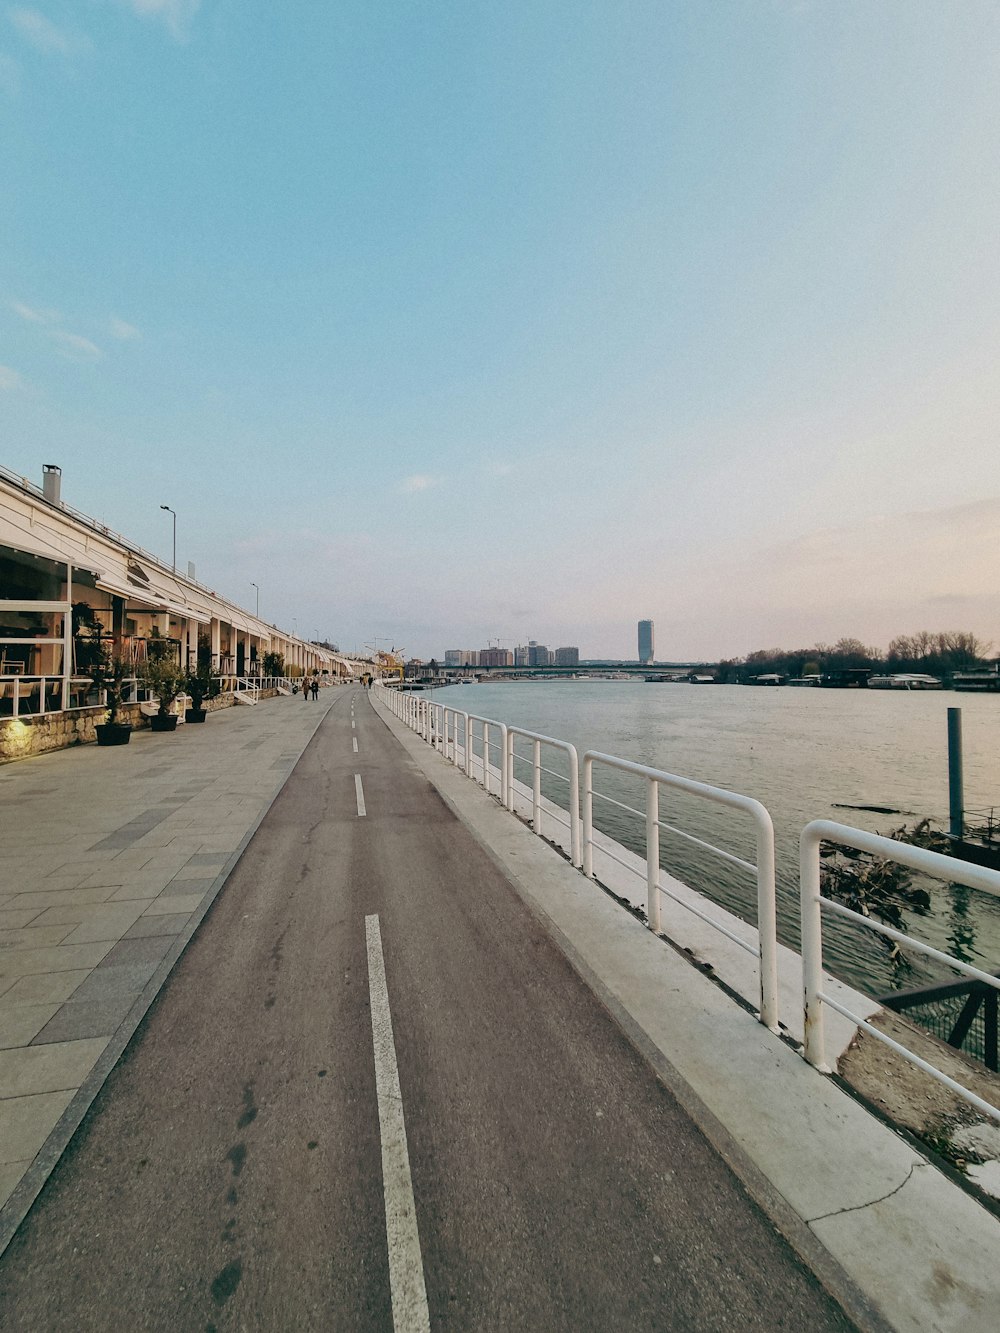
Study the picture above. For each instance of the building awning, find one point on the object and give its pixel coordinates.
(31, 545)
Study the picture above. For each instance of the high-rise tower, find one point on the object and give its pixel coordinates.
(646, 651)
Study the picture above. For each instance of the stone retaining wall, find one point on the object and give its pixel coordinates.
(21, 737)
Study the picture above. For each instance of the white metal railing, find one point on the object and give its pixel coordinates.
(36, 696)
(573, 781)
(814, 905)
(439, 724)
(763, 869)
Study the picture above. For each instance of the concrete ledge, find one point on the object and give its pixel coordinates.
(897, 1242)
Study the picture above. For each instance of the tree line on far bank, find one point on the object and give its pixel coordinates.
(936, 654)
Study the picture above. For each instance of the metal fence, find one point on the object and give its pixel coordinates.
(763, 869)
(945, 868)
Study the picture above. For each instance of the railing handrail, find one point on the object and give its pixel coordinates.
(813, 904)
(767, 910)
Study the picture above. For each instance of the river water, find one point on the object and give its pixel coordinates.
(798, 751)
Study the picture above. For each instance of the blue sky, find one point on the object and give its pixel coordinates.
(455, 322)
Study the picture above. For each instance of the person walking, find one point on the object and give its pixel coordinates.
(315, 687)
(305, 686)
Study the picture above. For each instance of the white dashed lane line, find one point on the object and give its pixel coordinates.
(406, 1267)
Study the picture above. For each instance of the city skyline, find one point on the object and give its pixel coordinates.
(477, 326)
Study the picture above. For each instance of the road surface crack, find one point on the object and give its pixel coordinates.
(857, 1208)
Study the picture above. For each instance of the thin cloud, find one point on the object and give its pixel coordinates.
(9, 380)
(41, 33)
(176, 15)
(75, 347)
(34, 316)
(419, 482)
(119, 328)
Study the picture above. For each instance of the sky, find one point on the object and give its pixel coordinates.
(457, 323)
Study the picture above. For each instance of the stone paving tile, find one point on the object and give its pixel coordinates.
(157, 925)
(169, 904)
(26, 1122)
(136, 893)
(186, 886)
(88, 1018)
(144, 949)
(32, 1069)
(106, 921)
(136, 858)
(20, 1022)
(107, 877)
(111, 984)
(67, 875)
(207, 859)
(56, 958)
(56, 987)
(32, 937)
(10, 1174)
(64, 897)
(15, 918)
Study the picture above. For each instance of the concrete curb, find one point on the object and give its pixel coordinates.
(17, 1207)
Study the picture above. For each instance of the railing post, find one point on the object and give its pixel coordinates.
(588, 816)
(814, 1046)
(503, 765)
(508, 763)
(574, 807)
(468, 745)
(767, 921)
(486, 755)
(536, 787)
(653, 854)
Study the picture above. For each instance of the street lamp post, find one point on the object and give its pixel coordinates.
(254, 585)
(171, 511)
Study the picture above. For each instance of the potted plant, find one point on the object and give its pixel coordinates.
(108, 671)
(164, 678)
(199, 685)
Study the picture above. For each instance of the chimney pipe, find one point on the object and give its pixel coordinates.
(51, 482)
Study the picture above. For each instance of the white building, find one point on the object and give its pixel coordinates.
(53, 558)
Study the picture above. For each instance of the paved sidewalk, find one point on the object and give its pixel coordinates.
(110, 859)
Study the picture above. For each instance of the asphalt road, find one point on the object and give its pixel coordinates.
(242, 1169)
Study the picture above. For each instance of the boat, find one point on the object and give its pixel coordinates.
(905, 680)
(847, 678)
(805, 681)
(768, 678)
(986, 680)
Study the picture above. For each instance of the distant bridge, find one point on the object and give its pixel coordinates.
(582, 669)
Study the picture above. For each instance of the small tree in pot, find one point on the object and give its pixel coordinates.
(200, 684)
(108, 671)
(163, 676)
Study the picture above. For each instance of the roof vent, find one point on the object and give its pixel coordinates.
(51, 482)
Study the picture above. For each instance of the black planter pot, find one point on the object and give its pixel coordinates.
(163, 722)
(113, 733)
(195, 714)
